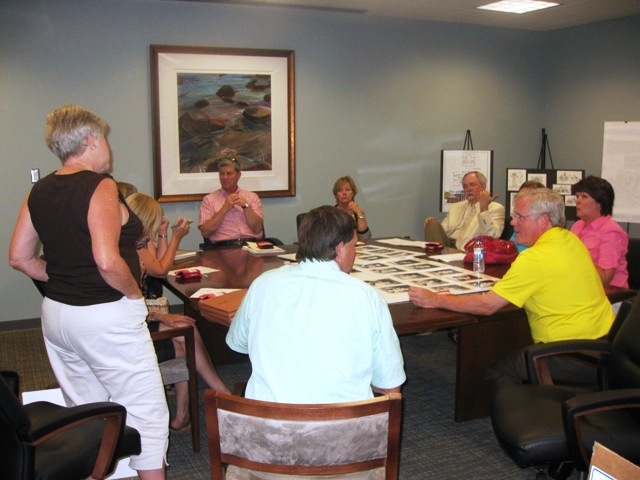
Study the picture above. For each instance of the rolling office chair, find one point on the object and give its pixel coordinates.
(556, 425)
(43, 440)
(299, 219)
(633, 263)
(209, 245)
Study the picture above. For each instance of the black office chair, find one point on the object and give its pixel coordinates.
(507, 231)
(299, 219)
(43, 440)
(633, 263)
(13, 381)
(209, 245)
(556, 425)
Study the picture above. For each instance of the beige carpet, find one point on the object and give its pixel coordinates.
(23, 351)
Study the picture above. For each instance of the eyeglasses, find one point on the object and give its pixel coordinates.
(517, 216)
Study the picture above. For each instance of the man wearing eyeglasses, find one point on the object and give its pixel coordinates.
(477, 214)
(230, 215)
(554, 280)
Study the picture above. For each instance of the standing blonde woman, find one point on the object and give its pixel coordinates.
(344, 191)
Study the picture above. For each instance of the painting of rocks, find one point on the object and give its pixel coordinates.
(224, 116)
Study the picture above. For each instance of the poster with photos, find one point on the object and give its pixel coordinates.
(559, 181)
(392, 271)
(454, 164)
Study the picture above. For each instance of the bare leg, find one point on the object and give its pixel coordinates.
(204, 365)
(152, 474)
(182, 418)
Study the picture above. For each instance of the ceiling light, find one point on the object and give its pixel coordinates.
(518, 6)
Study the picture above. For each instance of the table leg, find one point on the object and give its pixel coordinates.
(213, 335)
(479, 345)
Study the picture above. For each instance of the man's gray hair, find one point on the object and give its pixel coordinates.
(544, 200)
(479, 175)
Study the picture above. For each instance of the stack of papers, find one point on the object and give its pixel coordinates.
(184, 254)
(288, 257)
(201, 269)
(222, 308)
(253, 249)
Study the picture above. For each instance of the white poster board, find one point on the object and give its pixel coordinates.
(621, 168)
(455, 163)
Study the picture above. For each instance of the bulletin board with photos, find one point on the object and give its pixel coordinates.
(559, 181)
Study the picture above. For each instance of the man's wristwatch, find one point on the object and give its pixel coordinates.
(246, 205)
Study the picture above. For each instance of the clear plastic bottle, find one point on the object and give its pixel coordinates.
(478, 256)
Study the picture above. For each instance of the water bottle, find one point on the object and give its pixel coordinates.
(478, 256)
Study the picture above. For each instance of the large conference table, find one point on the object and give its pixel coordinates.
(482, 339)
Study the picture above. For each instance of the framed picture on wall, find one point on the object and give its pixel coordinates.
(211, 104)
(454, 165)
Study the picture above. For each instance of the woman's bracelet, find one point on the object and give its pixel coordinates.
(161, 235)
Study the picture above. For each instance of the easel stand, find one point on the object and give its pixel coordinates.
(543, 150)
(468, 143)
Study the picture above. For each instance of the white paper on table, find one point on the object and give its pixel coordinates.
(213, 291)
(403, 242)
(202, 270)
(391, 292)
(288, 257)
(449, 257)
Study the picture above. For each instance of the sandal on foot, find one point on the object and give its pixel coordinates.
(182, 429)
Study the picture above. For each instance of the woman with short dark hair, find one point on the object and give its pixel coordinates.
(604, 238)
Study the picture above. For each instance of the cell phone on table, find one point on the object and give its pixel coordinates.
(264, 245)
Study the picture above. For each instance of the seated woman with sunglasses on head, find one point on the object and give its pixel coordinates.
(156, 262)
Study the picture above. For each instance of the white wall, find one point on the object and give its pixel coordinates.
(375, 98)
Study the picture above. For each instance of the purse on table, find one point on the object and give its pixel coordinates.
(157, 305)
(496, 250)
(189, 275)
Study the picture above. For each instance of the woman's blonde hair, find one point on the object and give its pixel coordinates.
(148, 211)
(341, 181)
(126, 189)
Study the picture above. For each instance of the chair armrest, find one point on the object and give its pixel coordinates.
(189, 343)
(588, 404)
(172, 333)
(537, 356)
(47, 421)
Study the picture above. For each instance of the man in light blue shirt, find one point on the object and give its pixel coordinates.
(313, 333)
